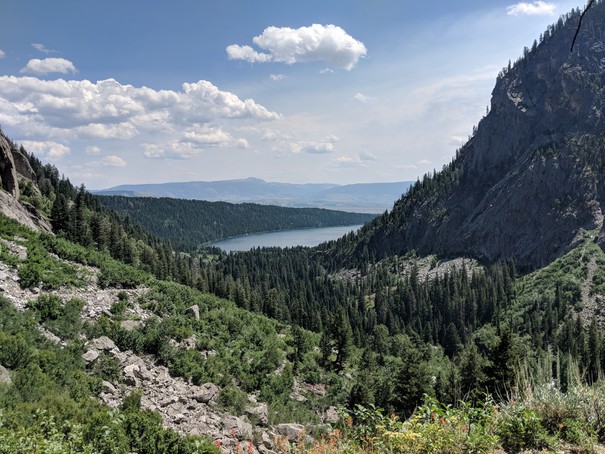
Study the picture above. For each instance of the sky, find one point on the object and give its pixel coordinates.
(341, 91)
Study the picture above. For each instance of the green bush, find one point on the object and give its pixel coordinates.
(233, 399)
(520, 428)
(15, 352)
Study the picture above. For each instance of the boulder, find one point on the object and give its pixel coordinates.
(103, 343)
(5, 376)
(194, 311)
(90, 356)
(331, 416)
(234, 426)
(208, 393)
(130, 325)
(291, 431)
(261, 412)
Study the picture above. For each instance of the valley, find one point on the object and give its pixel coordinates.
(467, 317)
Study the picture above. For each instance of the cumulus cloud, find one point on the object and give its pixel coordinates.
(92, 150)
(247, 53)
(327, 43)
(172, 150)
(347, 161)
(2, 53)
(71, 110)
(112, 161)
(319, 147)
(205, 136)
(538, 8)
(364, 98)
(326, 71)
(42, 48)
(50, 149)
(48, 66)
(277, 76)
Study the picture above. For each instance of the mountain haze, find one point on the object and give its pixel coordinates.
(530, 180)
(361, 197)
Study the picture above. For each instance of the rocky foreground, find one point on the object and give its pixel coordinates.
(187, 408)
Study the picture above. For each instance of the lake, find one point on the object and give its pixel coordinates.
(286, 238)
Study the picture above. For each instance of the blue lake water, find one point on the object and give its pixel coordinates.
(286, 238)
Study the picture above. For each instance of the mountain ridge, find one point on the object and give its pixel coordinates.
(526, 184)
(361, 197)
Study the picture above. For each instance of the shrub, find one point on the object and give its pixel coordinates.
(520, 428)
(233, 399)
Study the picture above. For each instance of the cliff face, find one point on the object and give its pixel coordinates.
(531, 179)
(13, 167)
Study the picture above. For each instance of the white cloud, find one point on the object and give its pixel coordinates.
(42, 48)
(277, 76)
(50, 149)
(204, 136)
(326, 71)
(83, 110)
(424, 162)
(92, 150)
(364, 98)
(366, 156)
(49, 65)
(113, 161)
(247, 53)
(538, 8)
(319, 147)
(328, 43)
(173, 150)
(2, 53)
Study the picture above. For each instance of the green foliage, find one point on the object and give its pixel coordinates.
(15, 352)
(520, 428)
(234, 400)
(40, 269)
(63, 319)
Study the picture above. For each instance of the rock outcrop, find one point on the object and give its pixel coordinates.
(531, 179)
(13, 166)
(8, 170)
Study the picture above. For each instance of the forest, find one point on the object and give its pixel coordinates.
(190, 224)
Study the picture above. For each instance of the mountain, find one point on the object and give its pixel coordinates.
(366, 197)
(530, 180)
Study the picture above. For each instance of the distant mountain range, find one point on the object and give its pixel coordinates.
(362, 197)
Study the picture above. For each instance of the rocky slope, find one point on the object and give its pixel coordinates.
(529, 181)
(187, 408)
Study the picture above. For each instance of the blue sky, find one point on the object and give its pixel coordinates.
(349, 91)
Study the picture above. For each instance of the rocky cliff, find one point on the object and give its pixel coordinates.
(530, 180)
(15, 167)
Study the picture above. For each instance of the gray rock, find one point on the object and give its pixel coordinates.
(8, 170)
(5, 376)
(130, 325)
(103, 343)
(90, 356)
(260, 411)
(130, 375)
(291, 431)
(208, 393)
(109, 388)
(232, 425)
(331, 416)
(194, 311)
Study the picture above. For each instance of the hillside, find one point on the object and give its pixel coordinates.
(530, 180)
(188, 224)
(363, 197)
